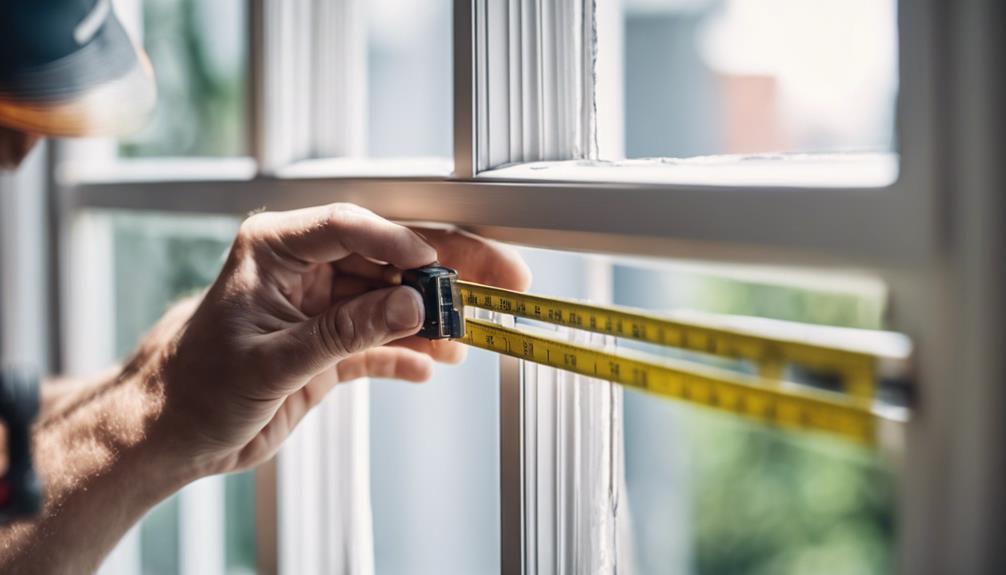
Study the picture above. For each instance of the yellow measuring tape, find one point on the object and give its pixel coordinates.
(763, 397)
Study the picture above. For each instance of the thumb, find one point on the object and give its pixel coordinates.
(351, 326)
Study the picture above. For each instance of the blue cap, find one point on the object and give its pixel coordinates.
(67, 67)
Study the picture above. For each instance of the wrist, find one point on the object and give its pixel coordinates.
(166, 454)
(119, 429)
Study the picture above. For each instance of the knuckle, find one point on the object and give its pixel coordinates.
(253, 224)
(249, 232)
(256, 236)
(343, 214)
(313, 395)
(341, 334)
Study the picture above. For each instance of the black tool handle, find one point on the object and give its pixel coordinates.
(441, 300)
(20, 489)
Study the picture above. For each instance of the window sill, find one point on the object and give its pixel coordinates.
(116, 171)
(368, 168)
(805, 170)
(242, 169)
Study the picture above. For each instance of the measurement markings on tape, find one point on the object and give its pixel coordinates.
(748, 396)
(858, 369)
(854, 355)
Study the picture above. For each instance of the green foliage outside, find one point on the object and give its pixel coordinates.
(760, 501)
(201, 83)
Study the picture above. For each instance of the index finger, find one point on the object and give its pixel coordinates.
(329, 233)
(478, 259)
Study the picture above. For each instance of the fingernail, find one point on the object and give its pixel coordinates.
(404, 309)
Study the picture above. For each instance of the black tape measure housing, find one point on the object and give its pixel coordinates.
(20, 489)
(441, 300)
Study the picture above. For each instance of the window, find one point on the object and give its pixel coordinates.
(409, 79)
(663, 81)
(753, 77)
(198, 50)
(554, 107)
(351, 81)
(707, 493)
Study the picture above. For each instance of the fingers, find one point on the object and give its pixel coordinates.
(329, 233)
(347, 328)
(386, 363)
(359, 266)
(478, 259)
(344, 287)
(441, 350)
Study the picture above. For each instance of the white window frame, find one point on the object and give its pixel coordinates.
(935, 235)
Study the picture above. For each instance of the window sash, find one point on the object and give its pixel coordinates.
(873, 227)
(853, 227)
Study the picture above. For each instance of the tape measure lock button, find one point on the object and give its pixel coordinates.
(441, 301)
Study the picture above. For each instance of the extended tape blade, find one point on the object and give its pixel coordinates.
(748, 396)
(858, 368)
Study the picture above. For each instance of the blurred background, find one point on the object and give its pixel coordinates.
(704, 77)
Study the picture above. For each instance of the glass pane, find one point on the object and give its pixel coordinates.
(199, 52)
(434, 451)
(159, 539)
(240, 523)
(707, 77)
(709, 493)
(157, 260)
(409, 78)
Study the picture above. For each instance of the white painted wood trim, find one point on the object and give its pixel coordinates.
(535, 70)
(573, 463)
(325, 520)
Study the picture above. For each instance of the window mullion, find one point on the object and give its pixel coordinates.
(515, 97)
(481, 86)
(311, 81)
(464, 70)
(536, 81)
(498, 136)
(573, 470)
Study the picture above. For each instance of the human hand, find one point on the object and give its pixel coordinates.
(303, 303)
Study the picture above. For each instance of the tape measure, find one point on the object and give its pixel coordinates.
(862, 361)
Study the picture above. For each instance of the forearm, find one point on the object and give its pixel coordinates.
(103, 463)
(60, 394)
